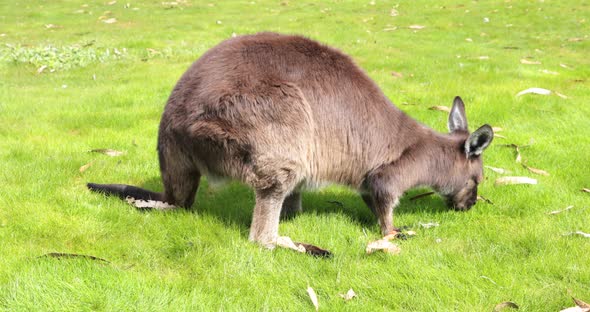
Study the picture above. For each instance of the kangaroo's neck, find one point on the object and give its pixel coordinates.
(428, 161)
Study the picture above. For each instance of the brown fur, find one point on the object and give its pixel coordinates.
(282, 112)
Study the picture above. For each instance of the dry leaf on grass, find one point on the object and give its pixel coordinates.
(586, 190)
(107, 151)
(384, 245)
(517, 150)
(540, 91)
(506, 304)
(440, 108)
(581, 306)
(497, 129)
(287, 242)
(580, 233)
(112, 2)
(60, 255)
(348, 295)
(546, 71)
(313, 297)
(479, 197)
(111, 20)
(421, 195)
(497, 170)
(536, 171)
(41, 69)
(85, 167)
(515, 180)
(554, 212)
(417, 27)
(428, 225)
(150, 204)
(50, 26)
(527, 62)
(396, 74)
(563, 96)
(411, 233)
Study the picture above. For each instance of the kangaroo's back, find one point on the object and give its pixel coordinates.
(313, 97)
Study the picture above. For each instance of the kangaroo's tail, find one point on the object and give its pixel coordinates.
(123, 191)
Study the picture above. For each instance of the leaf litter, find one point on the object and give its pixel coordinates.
(497, 170)
(540, 91)
(313, 297)
(536, 171)
(383, 245)
(85, 167)
(149, 204)
(554, 212)
(108, 152)
(348, 295)
(580, 233)
(515, 180)
(440, 108)
(581, 306)
(60, 255)
(504, 305)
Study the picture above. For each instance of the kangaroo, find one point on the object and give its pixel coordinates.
(282, 113)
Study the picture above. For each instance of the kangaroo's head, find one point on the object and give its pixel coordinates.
(466, 167)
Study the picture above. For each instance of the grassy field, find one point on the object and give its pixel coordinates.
(77, 76)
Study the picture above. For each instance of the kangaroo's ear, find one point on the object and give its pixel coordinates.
(457, 118)
(478, 141)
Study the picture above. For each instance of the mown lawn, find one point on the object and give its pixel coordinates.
(77, 76)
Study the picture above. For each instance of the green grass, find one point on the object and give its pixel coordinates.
(201, 259)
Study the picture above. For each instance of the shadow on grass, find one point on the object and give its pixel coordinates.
(232, 203)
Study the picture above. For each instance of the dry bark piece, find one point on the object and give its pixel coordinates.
(440, 108)
(349, 295)
(515, 180)
(505, 304)
(313, 297)
(554, 212)
(586, 190)
(383, 245)
(107, 151)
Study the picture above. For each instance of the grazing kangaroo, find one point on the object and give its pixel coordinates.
(281, 112)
